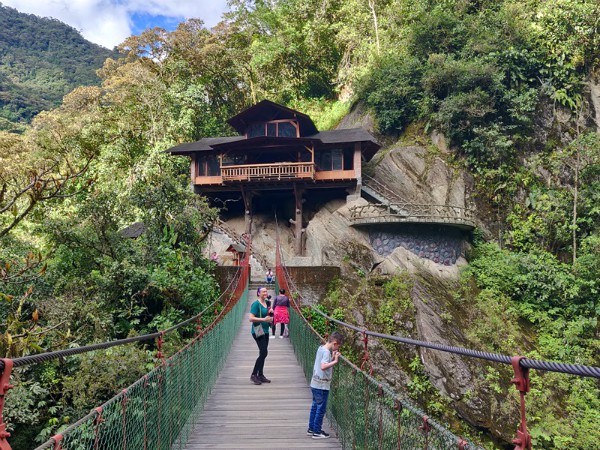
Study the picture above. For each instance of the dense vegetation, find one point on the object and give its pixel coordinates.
(504, 81)
(41, 60)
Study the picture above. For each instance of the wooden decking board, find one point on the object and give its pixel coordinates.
(230, 419)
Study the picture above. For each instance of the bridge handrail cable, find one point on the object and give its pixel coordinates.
(520, 364)
(176, 428)
(401, 403)
(42, 357)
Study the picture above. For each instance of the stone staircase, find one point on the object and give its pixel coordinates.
(389, 207)
(383, 195)
(258, 263)
(254, 285)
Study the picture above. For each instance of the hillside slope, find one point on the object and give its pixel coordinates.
(41, 60)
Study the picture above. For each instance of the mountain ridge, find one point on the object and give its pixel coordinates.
(41, 60)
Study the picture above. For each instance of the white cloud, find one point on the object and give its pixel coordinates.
(108, 22)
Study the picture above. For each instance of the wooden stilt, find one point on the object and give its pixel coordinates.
(298, 219)
(247, 196)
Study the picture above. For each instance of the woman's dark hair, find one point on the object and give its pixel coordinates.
(258, 291)
(282, 291)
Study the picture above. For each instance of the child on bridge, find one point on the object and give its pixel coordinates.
(327, 357)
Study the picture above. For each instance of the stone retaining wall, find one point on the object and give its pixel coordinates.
(224, 275)
(312, 282)
(442, 245)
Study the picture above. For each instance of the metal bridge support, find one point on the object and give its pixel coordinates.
(521, 382)
(5, 386)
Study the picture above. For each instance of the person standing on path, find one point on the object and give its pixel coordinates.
(327, 356)
(281, 312)
(259, 314)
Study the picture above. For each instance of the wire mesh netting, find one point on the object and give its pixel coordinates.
(158, 411)
(365, 413)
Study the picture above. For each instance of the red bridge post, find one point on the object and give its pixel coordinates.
(425, 429)
(5, 386)
(521, 382)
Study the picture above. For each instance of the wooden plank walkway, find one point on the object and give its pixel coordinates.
(231, 418)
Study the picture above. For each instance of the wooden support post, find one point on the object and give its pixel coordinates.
(298, 219)
(358, 167)
(247, 196)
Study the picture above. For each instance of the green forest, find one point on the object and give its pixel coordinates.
(41, 60)
(507, 82)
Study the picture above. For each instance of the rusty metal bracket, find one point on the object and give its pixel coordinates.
(365, 358)
(199, 326)
(159, 344)
(462, 444)
(521, 382)
(97, 422)
(57, 441)
(425, 427)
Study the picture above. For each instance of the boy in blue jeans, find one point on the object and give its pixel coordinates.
(327, 357)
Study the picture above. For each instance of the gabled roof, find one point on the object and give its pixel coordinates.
(260, 142)
(239, 248)
(204, 144)
(267, 110)
(345, 136)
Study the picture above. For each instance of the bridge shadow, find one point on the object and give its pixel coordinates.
(241, 415)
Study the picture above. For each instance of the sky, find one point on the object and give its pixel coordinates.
(109, 22)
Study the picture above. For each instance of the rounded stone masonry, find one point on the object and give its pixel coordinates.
(442, 245)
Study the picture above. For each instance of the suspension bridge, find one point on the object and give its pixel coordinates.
(201, 396)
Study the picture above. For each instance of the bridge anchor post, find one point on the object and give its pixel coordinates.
(5, 386)
(521, 382)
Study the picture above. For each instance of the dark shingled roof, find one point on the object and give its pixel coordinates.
(237, 247)
(267, 110)
(202, 145)
(264, 141)
(345, 136)
(348, 135)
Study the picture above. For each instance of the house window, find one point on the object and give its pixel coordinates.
(286, 129)
(334, 159)
(337, 159)
(234, 159)
(277, 128)
(208, 166)
(256, 129)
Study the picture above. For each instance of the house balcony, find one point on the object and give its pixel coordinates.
(248, 173)
(268, 172)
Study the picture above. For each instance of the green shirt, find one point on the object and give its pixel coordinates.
(259, 311)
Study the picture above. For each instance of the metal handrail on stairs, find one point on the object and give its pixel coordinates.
(396, 207)
(234, 236)
(383, 190)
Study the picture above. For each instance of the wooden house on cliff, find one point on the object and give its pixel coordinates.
(281, 149)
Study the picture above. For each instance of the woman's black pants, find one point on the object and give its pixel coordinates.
(263, 344)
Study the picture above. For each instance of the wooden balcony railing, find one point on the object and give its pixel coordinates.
(266, 172)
